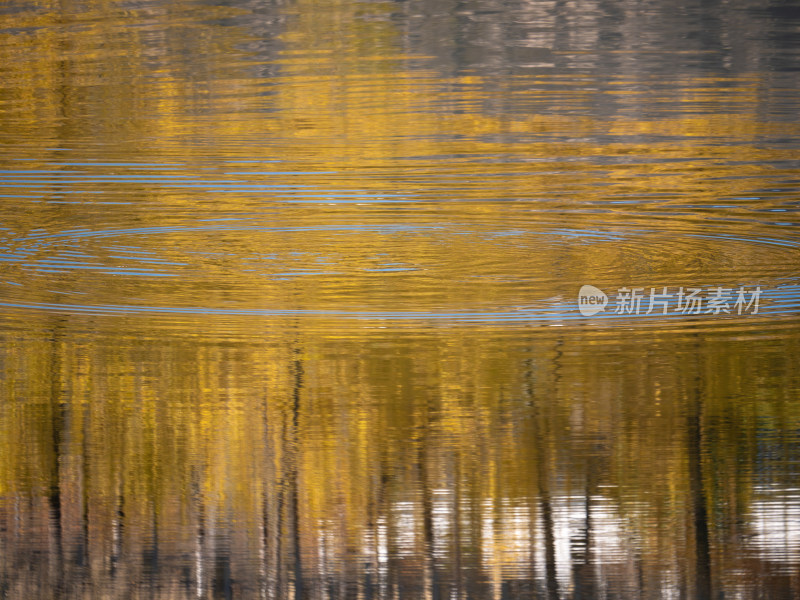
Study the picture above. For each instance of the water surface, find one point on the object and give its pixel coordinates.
(289, 299)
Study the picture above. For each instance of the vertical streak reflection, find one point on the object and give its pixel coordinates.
(702, 549)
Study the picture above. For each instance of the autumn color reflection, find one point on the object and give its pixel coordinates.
(266, 273)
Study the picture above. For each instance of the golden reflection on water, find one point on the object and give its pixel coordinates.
(384, 428)
(405, 461)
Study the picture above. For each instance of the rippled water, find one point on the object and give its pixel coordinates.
(290, 299)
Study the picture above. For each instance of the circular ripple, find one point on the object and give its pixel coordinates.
(481, 270)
